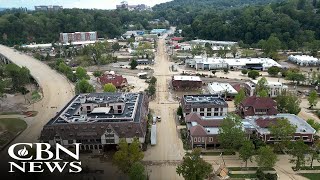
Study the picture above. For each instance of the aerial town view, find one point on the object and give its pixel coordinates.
(160, 90)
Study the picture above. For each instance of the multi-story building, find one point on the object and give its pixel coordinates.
(204, 131)
(262, 124)
(78, 37)
(186, 82)
(48, 8)
(274, 88)
(204, 105)
(99, 119)
(257, 106)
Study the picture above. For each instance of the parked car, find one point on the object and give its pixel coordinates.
(159, 118)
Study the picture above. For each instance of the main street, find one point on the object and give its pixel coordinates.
(169, 147)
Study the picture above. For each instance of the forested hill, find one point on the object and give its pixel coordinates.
(296, 23)
(181, 10)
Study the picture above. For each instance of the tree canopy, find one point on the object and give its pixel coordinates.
(128, 155)
(288, 102)
(193, 167)
(231, 135)
(109, 88)
(266, 158)
(83, 86)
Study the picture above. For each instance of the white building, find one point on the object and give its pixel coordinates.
(275, 88)
(304, 60)
(205, 63)
(212, 43)
(222, 89)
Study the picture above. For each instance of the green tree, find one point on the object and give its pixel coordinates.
(298, 150)
(266, 158)
(97, 73)
(271, 45)
(231, 135)
(127, 155)
(179, 111)
(274, 71)
(295, 77)
(133, 64)
(116, 46)
(262, 87)
(81, 73)
(287, 102)
(239, 97)
(193, 167)
(137, 172)
(314, 152)
(253, 74)
(234, 51)
(283, 132)
(109, 88)
(313, 124)
(244, 71)
(19, 76)
(313, 98)
(151, 90)
(153, 80)
(246, 151)
(83, 86)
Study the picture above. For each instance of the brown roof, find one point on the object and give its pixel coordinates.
(116, 80)
(198, 130)
(259, 102)
(194, 117)
(267, 122)
(237, 87)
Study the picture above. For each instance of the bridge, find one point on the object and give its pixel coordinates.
(4, 59)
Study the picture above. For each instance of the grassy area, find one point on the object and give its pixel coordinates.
(243, 176)
(9, 113)
(217, 153)
(311, 176)
(10, 127)
(249, 169)
(309, 168)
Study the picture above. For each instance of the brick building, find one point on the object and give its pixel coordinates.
(255, 106)
(186, 82)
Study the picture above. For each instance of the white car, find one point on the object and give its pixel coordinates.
(159, 118)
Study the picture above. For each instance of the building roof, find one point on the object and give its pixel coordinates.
(116, 80)
(198, 130)
(220, 88)
(259, 102)
(262, 123)
(203, 121)
(187, 78)
(204, 99)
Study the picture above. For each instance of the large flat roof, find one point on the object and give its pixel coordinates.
(302, 126)
(131, 102)
(266, 62)
(186, 78)
(206, 99)
(218, 88)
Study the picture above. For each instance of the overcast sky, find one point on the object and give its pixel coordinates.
(99, 4)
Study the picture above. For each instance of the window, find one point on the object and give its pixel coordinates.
(201, 109)
(208, 114)
(221, 109)
(305, 138)
(201, 114)
(119, 111)
(194, 109)
(88, 108)
(209, 109)
(216, 109)
(195, 139)
(202, 139)
(210, 139)
(216, 114)
(110, 141)
(119, 106)
(199, 139)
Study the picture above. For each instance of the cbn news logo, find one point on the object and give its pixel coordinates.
(37, 162)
